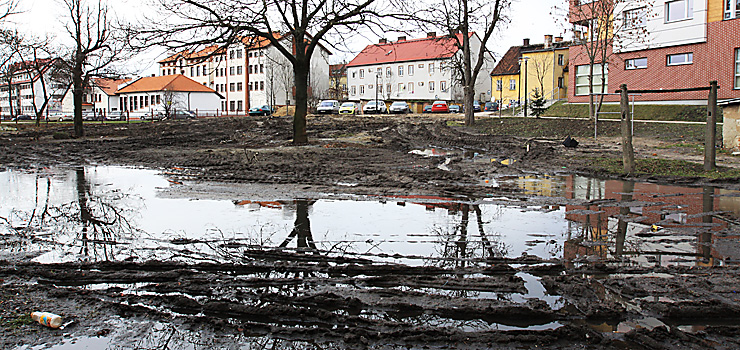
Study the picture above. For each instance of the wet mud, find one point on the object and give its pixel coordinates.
(296, 295)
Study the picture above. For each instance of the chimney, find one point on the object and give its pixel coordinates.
(383, 41)
(152, 74)
(431, 34)
(526, 41)
(402, 38)
(548, 41)
(558, 39)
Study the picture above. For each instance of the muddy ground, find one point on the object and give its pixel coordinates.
(294, 300)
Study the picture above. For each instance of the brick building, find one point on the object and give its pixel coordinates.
(686, 43)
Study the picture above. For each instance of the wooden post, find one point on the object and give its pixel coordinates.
(628, 155)
(710, 137)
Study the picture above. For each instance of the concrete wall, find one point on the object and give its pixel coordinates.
(731, 126)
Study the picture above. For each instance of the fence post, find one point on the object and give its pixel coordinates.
(711, 133)
(628, 155)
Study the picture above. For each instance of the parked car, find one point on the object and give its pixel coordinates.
(427, 109)
(181, 114)
(152, 115)
(60, 117)
(115, 115)
(476, 106)
(348, 108)
(399, 107)
(375, 106)
(24, 117)
(328, 107)
(90, 115)
(455, 109)
(260, 110)
(440, 107)
(491, 106)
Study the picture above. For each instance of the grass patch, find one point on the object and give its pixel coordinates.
(664, 167)
(645, 112)
(454, 123)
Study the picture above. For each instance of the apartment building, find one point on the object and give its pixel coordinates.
(664, 44)
(24, 94)
(417, 71)
(534, 66)
(253, 73)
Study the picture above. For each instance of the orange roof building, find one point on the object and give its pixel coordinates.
(417, 70)
(152, 94)
(251, 74)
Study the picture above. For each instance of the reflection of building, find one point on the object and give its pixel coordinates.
(546, 63)
(685, 221)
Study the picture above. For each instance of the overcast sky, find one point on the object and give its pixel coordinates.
(530, 19)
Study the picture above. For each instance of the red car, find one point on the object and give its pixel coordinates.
(440, 107)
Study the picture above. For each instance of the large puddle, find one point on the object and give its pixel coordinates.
(118, 213)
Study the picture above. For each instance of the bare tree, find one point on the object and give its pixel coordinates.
(170, 102)
(336, 90)
(601, 29)
(295, 28)
(541, 66)
(8, 8)
(98, 46)
(10, 43)
(458, 18)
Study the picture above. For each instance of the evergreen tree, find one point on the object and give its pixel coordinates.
(538, 103)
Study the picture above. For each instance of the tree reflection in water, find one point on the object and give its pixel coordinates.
(458, 247)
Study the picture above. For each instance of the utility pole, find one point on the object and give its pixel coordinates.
(711, 131)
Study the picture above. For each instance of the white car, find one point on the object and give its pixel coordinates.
(328, 107)
(60, 117)
(400, 107)
(375, 106)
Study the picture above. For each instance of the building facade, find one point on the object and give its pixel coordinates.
(417, 71)
(250, 74)
(104, 94)
(33, 86)
(666, 44)
(546, 69)
(150, 95)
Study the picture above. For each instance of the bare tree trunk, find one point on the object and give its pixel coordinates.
(301, 70)
(77, 93)
(628, 155)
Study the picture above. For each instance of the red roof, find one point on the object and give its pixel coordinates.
(177, 82)
(408, 50)
(109, 86)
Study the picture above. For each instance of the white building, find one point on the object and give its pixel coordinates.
(252, 74)
(25, 94)
(148, 94)
(417, 71)
(105, 96)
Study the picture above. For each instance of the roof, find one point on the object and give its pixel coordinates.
(509, 64)
(175, 82)
(253, 42)
(438, 47)
(186, 54)
(110, 86)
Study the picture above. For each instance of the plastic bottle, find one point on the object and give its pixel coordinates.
(47, 319)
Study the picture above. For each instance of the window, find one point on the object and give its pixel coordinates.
(362, 74)
(239, 70)
(561, 59)
(192, 71)
(431, 86)
(635, 18)
(262, 68)
(411, 88)
(353, 90)
(262, 85)
(362, 89)
(431, 68)
(380, 88)
(232, 87)
(388, 88)
(353, 74)
(582, 81)
(249, 54)
(238, 105)
(680, 59)
(400, 71)
(205, 71)
(411, 70)
(400, 87)
(388, 71)
(223, 105)
(732, 9)
(249, 69)
(512, 84)
(231, 56)
(250, 86)
(146, 101)
(635, 63)
(678, 10)
(231, 70)
(238, 53)
(737, 68)
(561, 82)
(239, 86)
(232, 105)
(443, 86)
(499, 85)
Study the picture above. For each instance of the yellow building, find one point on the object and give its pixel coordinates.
(540, 66)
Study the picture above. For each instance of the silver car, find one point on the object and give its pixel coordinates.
(328, 107)
(375, 106)
(399, 107)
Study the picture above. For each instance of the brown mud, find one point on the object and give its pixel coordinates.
(282, 299)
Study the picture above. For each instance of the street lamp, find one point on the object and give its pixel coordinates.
(524, 59)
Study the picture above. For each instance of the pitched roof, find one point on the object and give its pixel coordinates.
(253, 42)
(175, 82)
(509, 64)
(187, 54)
(109, 86)
(407, 50)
